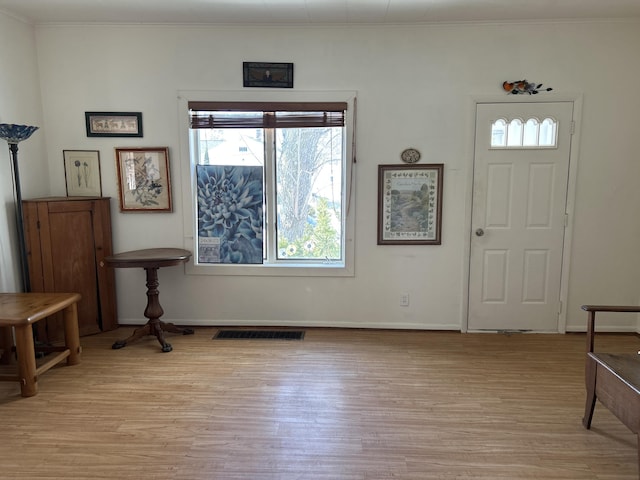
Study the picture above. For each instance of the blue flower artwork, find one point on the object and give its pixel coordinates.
(230, 206)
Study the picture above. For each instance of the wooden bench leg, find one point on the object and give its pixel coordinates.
(6, 344)
(26, 360)
(590, 382)
(72, 333)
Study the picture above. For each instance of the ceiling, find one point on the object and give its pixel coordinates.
(313, 12)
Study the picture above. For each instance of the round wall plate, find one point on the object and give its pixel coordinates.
(410, 155)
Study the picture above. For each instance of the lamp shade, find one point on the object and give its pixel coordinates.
(14, 134)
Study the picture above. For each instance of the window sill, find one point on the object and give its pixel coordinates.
(330, 269)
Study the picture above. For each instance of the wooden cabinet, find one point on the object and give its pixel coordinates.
(67, 238)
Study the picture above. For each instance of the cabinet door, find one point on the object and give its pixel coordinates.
(66, 241)
(70, 265)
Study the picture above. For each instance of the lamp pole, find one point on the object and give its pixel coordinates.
(22, 244)
(14, 134)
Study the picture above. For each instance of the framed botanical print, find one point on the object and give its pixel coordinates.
(82, 173)
(410, 204)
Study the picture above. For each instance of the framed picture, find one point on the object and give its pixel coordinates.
(261, 74)
(113, 124)
(144, 179)
(410, 204)
(82, 173)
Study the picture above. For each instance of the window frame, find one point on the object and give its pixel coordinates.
(188, 182)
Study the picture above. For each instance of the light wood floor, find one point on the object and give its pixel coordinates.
(341, 404)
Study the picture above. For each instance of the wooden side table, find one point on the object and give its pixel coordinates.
(151, 260)
(21, 311)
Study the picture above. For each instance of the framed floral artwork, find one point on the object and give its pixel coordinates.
(144, 179)
(410, 204)
(82, 173)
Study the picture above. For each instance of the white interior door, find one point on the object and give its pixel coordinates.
(521, 169)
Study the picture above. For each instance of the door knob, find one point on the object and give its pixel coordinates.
(479, 232)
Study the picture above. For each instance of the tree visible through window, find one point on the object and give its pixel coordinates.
(296, 153)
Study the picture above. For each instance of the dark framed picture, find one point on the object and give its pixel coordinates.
(144, 179)
(82, 173)
(113, 124)
(410, 204)
(265, 74)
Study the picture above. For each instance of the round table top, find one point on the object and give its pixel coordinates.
(148, 258)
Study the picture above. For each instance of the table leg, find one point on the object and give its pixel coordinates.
(171, 328)
(153, 312)
(137, 334)
(26, 360)
(72, 333)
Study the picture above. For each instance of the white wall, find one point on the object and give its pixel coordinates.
(415, 88)
(19, 103)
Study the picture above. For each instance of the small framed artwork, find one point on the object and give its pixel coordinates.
(264, 74)
(144, 179)
(410, 204)
(113, 124)
(82, 173)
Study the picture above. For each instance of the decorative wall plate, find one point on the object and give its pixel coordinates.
(410, 155)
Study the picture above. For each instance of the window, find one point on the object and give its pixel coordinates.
(269, 186)
(529, 134)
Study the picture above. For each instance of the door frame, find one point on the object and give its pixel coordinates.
(576, 99)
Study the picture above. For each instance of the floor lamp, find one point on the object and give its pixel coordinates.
(14, 134)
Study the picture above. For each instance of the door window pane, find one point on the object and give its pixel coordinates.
(499, 133)
(530, 137)
(514, 133)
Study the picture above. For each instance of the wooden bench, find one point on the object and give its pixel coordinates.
(20, 311)
(614, 379)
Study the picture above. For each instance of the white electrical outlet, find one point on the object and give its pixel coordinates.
(404, 299)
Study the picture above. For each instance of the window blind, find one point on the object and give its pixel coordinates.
(266, 114)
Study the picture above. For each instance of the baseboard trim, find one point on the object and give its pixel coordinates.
(291, 323)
